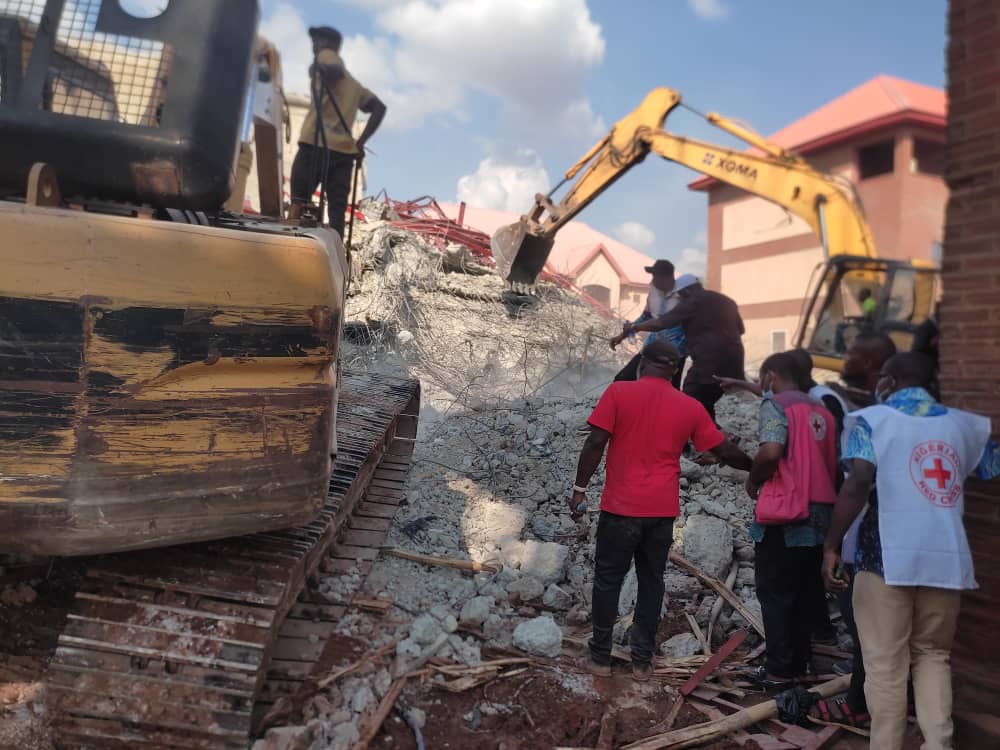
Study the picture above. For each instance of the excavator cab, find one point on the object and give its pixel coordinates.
(168, 369)
(851, 294)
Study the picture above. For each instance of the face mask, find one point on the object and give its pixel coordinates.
(767, 388)
(882, 394)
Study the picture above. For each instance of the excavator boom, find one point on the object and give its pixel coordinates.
(521, 249)
(826, 203)
(823, 201)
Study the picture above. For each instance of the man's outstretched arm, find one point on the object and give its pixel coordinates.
(730, 454)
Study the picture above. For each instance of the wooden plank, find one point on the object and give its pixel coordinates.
(299, 649)
(713, 663)
(720, 588)
(364, 523)
(359, 538)
(373, 509)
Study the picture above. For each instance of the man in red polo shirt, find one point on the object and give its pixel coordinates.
(645, 425)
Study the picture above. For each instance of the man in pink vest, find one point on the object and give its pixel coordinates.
(793, 480)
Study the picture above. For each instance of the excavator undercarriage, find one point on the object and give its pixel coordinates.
(174, 649)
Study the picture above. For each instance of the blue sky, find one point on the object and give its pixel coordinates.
(492, 100)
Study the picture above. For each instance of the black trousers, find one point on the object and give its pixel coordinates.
(620, 541)
(856, 700)
(707, 393)
(631, 371)
(785, 580)
(307, 173)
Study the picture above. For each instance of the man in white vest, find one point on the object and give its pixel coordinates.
(913, 559)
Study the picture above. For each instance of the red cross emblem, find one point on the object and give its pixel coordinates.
(938, 474)
(818, 425)
(934, 469)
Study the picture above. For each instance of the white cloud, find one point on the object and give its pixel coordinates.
(710, 10)
(692, 260)
(287, 30)
(144, 8)
(533, 56)
(636, 235)
(505, 184)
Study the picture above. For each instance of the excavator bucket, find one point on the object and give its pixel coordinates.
(520, 256)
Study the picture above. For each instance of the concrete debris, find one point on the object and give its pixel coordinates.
(425, 630)
(545, 561)
(527, 589)
(540, 637)
(681, 645)
(708, 544)
(557, 598)
(285, 738)
(477, 610)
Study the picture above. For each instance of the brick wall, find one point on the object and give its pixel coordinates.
(970, 317)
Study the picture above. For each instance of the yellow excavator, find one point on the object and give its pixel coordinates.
(171, 399)
(905, 292)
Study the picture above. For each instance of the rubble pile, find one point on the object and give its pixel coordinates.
(452, 324)
(515, 379)
(511, 382)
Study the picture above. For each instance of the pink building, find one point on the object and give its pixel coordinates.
(887, 138)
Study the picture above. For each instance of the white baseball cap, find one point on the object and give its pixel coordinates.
(684, 281)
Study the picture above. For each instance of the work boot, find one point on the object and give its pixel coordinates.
(641, 672)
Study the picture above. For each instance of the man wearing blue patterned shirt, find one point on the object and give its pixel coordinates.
(913, 558)
(663, 291)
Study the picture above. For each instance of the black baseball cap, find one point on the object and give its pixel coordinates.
(326, 32)
(661, 352)
(661, 268)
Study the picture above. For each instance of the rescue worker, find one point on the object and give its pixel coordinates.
(913, 558)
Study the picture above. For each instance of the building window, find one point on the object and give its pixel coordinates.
(779, 341)
(879, 158)
(928, 158)
(635, 297)
(599, 293)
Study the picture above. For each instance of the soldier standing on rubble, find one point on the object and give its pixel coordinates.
(645, 425)
(327, 152)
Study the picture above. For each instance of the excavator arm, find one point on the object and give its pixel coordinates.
(824, 202)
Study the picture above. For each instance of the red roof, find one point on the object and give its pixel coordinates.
(882, 102)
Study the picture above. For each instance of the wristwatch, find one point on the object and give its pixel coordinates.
(578, 488)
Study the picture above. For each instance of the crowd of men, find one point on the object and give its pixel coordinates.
(858, 489)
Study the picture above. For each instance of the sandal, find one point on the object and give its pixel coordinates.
(836, 711)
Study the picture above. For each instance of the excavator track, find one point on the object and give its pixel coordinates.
(171, 648)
